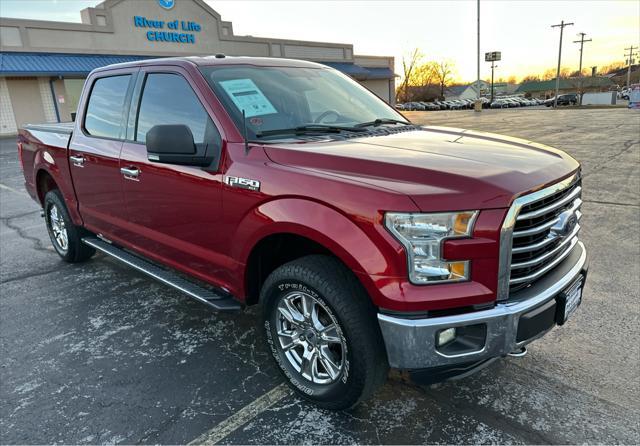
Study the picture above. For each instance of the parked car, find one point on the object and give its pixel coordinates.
(430, 106)
(369, 242)
(511, 102)
(563, 99)
(441, 104)
(624, 93)
(524, 101)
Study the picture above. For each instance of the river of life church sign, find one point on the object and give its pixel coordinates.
(176, 31)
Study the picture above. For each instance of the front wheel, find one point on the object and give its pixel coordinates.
(322, 330)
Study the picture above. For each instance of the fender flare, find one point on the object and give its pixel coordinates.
(320, 223)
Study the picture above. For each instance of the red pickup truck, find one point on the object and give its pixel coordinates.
(370, 242)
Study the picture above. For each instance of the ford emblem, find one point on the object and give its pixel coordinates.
(567, 222)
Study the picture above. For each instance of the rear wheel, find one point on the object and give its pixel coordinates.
(322, 331)
(66, 237)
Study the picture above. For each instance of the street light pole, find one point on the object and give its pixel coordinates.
(581, 42)
(493, 65)
(561, 25)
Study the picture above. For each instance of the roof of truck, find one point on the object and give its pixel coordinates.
(218, 59)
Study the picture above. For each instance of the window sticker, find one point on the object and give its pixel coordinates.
(248, 97)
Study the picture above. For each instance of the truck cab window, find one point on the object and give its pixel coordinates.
(168, 99)
(104, 110)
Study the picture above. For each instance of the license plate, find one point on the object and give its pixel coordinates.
(569, 300)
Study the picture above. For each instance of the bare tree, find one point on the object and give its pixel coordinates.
(409, 64)
(444, 74)
(606, 69)
(530, 78)
(424, 75)
(551, 73)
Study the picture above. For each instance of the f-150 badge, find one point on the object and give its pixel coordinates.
(243, 183)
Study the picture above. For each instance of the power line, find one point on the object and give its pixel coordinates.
(561, 26)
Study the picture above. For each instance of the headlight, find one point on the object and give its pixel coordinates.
(422, 236)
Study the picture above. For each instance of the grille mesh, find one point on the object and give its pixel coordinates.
(540, 240)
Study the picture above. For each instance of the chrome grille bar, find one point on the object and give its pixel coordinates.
(535, 229)
(547, 267)
(548, 254)
(532, 240)
(538, 229)
(553, 206)
(550, 238)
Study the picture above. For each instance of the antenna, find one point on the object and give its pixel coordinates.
(244, 133)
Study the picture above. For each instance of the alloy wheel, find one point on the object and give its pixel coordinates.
(58, 227)
(310, 338)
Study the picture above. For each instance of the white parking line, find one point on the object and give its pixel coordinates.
(243, 416)
(11, 189)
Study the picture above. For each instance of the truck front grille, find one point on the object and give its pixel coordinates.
(541, 230)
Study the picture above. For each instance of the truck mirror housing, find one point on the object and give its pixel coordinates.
(173, 144)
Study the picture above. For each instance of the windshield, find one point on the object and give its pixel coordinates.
(276, 98)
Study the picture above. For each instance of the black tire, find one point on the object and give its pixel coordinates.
(73, 251)
(338, 296)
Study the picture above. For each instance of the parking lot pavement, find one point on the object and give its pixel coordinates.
(96, 353)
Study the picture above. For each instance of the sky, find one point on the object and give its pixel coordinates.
(520, 29)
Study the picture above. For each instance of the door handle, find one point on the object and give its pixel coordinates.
(130, 172)
(77, 160)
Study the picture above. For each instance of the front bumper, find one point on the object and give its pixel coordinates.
(411, 343)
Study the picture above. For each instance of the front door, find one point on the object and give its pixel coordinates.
(174, 211)
(94, 153)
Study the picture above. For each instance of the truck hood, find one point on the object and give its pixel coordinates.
(440, 168)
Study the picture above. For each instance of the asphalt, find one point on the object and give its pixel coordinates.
(97, 353)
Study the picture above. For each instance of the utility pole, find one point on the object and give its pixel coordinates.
(581, 42)
(478, 106)
(629, 58)
(561, 25)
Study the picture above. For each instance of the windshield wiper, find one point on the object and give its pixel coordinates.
(381, 121)
(311, 128)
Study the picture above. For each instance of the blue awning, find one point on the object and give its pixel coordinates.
(380, 73)
(362, 73)
(54, 64)
(351, 69)
(30, 64)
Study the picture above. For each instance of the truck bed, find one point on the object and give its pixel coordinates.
(60, 127)
(43, 148)
(52, 135)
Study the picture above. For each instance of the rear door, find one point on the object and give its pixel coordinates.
(94, 151)
(174, 211)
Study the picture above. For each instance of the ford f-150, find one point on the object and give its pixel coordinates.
(370, 242)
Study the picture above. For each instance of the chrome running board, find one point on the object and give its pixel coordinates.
(218, 301)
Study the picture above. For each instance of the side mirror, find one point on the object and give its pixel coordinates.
(173, 144)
